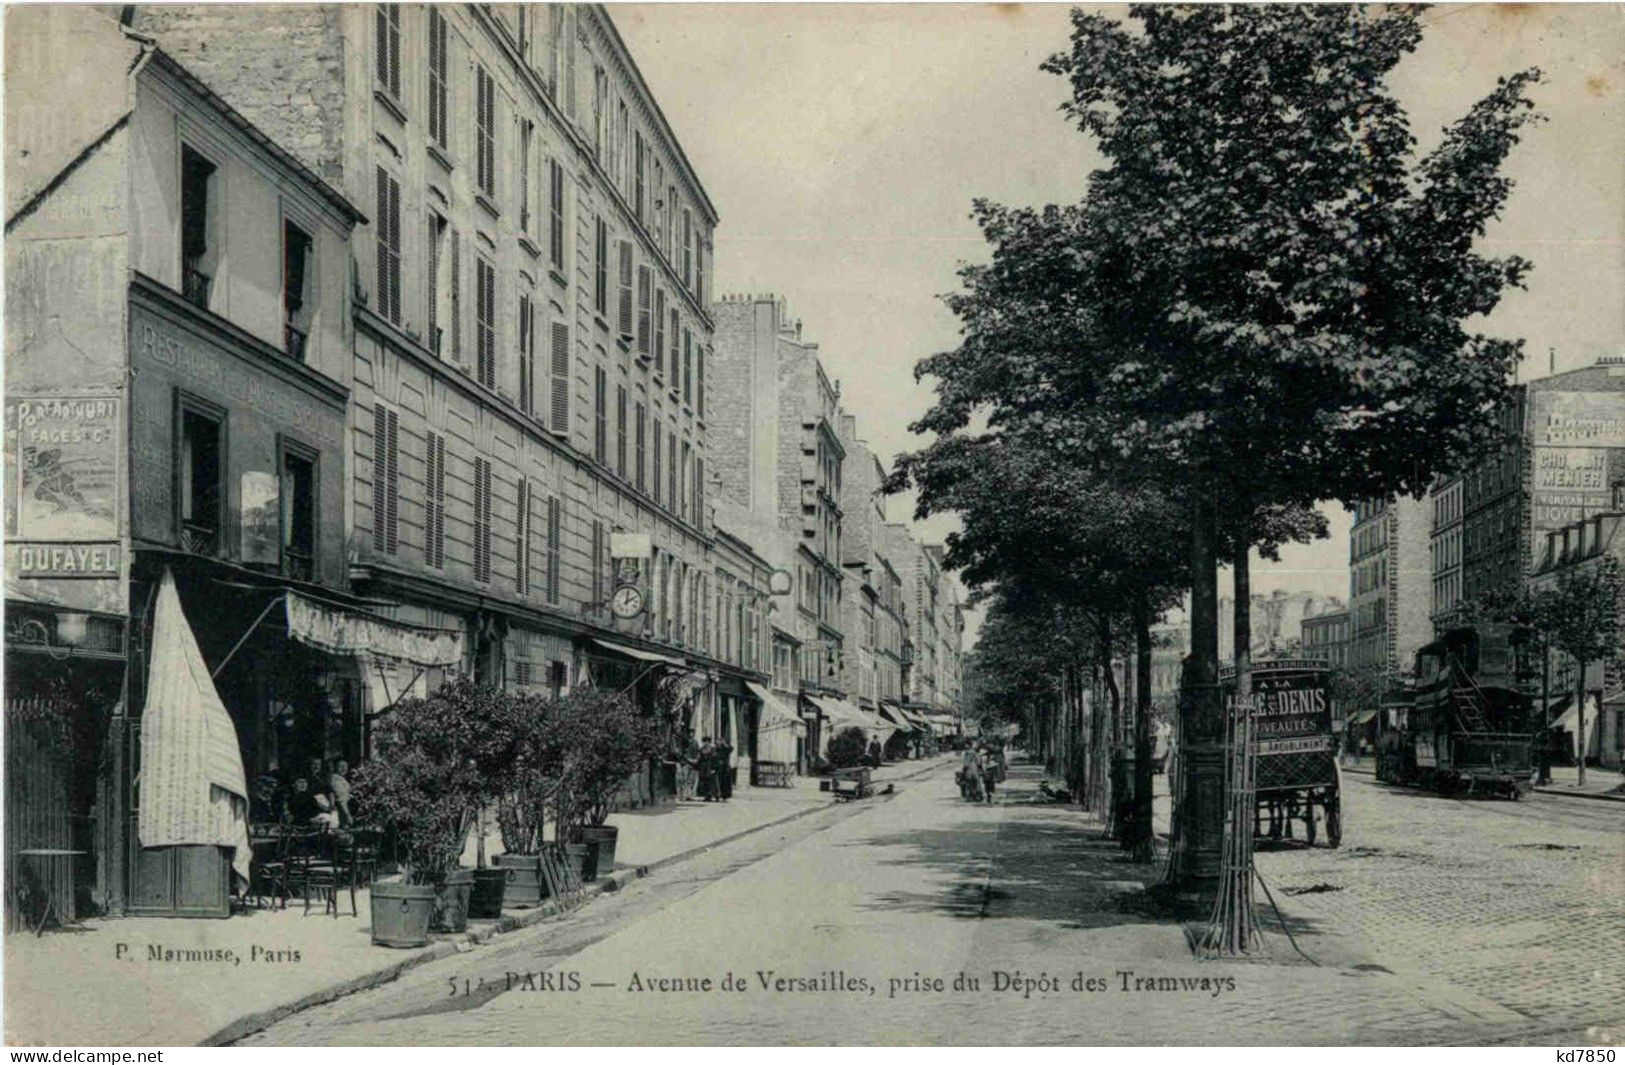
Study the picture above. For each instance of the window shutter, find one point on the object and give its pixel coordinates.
(456, 296)
(380, 476)
(560, 373)
(570, 66)
(431, 293)
(555, 228)
(674, 347)
(699, 383)
(381, 221)
(522, 539)
(482, 519)
(526, 384)
(626, 288)
(434, 530)
(643, 310)
(620, 430)
(381, 28)
(641, 434)
(485, 324)
(657, 470)
(660, 330)
(553, 522)
(671, 471)
(699, 492)
(596, 565)
(600, 443)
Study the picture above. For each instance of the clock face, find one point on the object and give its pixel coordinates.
(627, 602)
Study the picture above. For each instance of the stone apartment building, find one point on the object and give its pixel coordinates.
(1390, 585)
(1326, 635)
(530, 333)
(1565, 459)
(178, 376)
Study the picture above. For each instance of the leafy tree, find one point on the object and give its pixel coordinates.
(847, 748)
(1581, 612)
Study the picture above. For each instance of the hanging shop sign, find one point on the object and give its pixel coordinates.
(343, 632)
(1292, 707)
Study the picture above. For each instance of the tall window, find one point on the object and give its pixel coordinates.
(699, 381)
(385, 479)
(600, 114)
(596, 565)
(437, 78)
(199, 253)
(298, 514)
(667, 239)
(688, 366)
(527, 132)
(620, 431)
(656, 472)
(559, 374)
(388, 25)
(676, 375)
(639, 194)
(485, 319)
(555, 214)
(555, 40)
(662, 207)
(553, 524)
(600, 397)
(681, 503)
(699, 491)
(298, 305)
(527, 354)
(485, 159)
(623, 127)
(454, 281)
(521, 537)
(387, 224)
(644, 284)
(660, 330)
(640, 435)
(626, 289)
(600, 274)
(435, 289)
(434, 501)
(482, 519)
(671, 472)
(688, 248)
(202, 470)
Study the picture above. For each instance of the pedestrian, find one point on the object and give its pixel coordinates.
(338, 787)
(725, 771)
(706, 766)
(990, 775)
(970, 776)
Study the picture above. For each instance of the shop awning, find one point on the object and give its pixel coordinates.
(843, 713)
(349, 632)
(896, 717)
(774, 713)
(640, 655)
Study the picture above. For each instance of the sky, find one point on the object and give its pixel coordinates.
(843, 145)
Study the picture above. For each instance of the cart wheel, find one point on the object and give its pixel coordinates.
(1334, 825)
(1309, 823)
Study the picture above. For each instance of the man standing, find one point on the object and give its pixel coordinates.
(725, 771)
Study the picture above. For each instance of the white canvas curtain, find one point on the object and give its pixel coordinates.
(193, 790)
(777, 727)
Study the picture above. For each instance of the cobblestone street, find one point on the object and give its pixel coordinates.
(1437, 922)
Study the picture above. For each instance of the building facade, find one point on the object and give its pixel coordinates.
(1390, 587)
(182, 441)
(1326, 635)
(530, 336)
(1445, 551)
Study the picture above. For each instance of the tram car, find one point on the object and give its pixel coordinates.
(1463, 726)
(1295, 775)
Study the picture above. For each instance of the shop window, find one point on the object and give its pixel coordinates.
(199, 211)
(298, 513)
(298, 289)
(201, 461)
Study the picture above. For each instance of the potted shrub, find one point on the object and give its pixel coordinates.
(437, 761)
(847, 748)
(522, 809)
(602, 739)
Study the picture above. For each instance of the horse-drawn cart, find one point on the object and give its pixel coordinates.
(1295, 776)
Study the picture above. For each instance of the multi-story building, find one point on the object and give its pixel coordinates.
(778, 454)
(178, 375)
(1444, 549)
(1390, 587)
(1326, 635)
(1565, 456)
(863, 516)
(920, 579)
(1579, 548)
(531, 331)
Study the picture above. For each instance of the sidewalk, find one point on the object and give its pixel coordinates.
(184, 981)
(1600, 783)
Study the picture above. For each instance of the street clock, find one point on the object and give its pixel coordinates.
(627, 602)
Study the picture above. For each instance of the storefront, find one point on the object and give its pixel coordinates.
(648, 677)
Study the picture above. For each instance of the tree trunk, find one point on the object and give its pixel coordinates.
(1233, 929)
(1200, 671)
(1111, 729)
(1580, 720)
(1142, 843)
